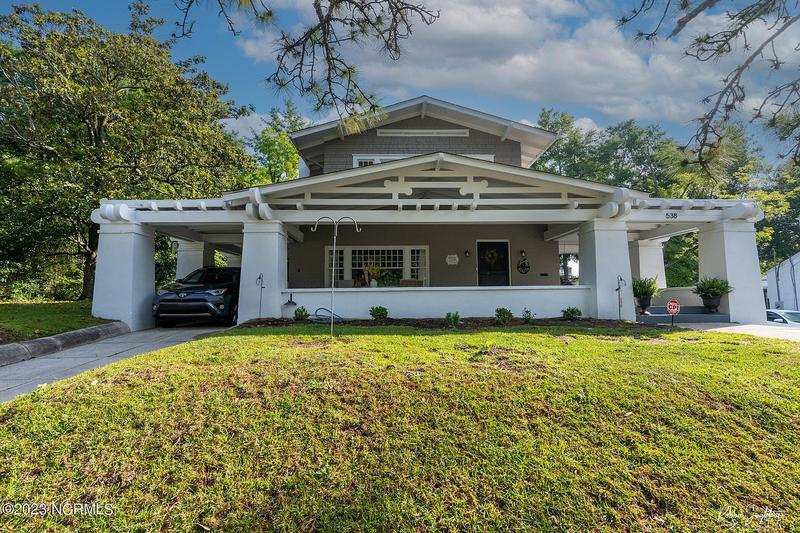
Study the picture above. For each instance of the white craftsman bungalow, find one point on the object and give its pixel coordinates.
(451, 218)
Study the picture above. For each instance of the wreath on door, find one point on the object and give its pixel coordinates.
(491, 256)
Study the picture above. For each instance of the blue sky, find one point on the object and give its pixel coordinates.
(509, 58)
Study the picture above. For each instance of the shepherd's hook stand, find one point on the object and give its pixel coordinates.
(260, 283)
(333, 254)
(620, 283)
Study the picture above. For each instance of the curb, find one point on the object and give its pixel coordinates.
(21, 351)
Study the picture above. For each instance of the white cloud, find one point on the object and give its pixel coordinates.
(586, 124)
(548, 52)
(247, 126)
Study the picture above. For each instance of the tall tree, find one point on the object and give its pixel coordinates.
(96, 114)
(277, 157)
(573, 152)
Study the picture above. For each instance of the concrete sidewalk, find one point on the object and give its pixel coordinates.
(26, 376)
(768, 331)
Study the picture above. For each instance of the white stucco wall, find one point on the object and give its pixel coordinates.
(436, 302)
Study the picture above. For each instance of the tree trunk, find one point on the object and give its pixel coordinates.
(89, 263)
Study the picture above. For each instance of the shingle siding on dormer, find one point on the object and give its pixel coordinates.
(338, 154)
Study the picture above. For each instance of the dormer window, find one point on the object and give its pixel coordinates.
(366, 160)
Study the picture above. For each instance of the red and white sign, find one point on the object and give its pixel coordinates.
(673, 307)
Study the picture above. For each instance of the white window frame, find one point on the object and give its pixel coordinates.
(388, 132)
(383, 158)
(348, 259)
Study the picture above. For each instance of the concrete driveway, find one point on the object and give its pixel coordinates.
(759, 330)
(26, 376)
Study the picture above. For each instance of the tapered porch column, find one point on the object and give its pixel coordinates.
(191, 256)
(728, 250)
(603, 255)
(264, 254)
(647, 261)
(125, 275)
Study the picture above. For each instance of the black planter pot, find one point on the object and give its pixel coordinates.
(643, 303)
(711, 304)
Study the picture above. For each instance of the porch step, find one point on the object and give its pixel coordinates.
(685, 309)
(683, 318)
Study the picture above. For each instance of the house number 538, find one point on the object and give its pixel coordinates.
(671, 214)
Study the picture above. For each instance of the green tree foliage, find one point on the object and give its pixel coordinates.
(645, 158)
(96, 114)
(276, 155)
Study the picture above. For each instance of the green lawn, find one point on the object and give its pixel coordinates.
(565, 428)
(28, 320)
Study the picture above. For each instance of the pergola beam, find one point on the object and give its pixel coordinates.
(666, 231)
(559, 231)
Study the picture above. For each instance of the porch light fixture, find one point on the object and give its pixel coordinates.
(333, 254)
(466, 253)
(523, 254)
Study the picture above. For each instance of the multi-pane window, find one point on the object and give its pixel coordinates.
(390, 265)
(388, 260)
(419, 263)
(338, 266)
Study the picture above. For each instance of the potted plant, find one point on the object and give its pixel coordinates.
(373, 273)
(643, 290)
(711, 290)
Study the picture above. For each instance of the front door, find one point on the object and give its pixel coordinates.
(493, 263)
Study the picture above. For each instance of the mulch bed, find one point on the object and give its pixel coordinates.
(470, 323)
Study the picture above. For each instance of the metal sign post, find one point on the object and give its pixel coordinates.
(333, 254)
(673, 308)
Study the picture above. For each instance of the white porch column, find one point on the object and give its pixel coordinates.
(647, 261)
(264, 252)
(728, 250)
(191, 256)
(603, 255)
(125, 276)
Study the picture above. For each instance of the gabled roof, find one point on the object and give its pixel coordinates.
(534, 140)
(410, 165)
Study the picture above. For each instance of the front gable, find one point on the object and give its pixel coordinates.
(427, 126)
(431, 183)
(416, 136)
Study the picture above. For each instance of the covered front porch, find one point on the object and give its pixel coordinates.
(445, 233)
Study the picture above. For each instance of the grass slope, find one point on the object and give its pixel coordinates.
(28, 320)
(395, 428)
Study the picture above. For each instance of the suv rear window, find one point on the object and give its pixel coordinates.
(210, 276)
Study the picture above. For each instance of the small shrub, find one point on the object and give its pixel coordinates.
(452, 319)
(502, 316)
(301, 314)
(571, 313)
(645, 287)
(378, 312)
(709, 288)
(527, 316)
